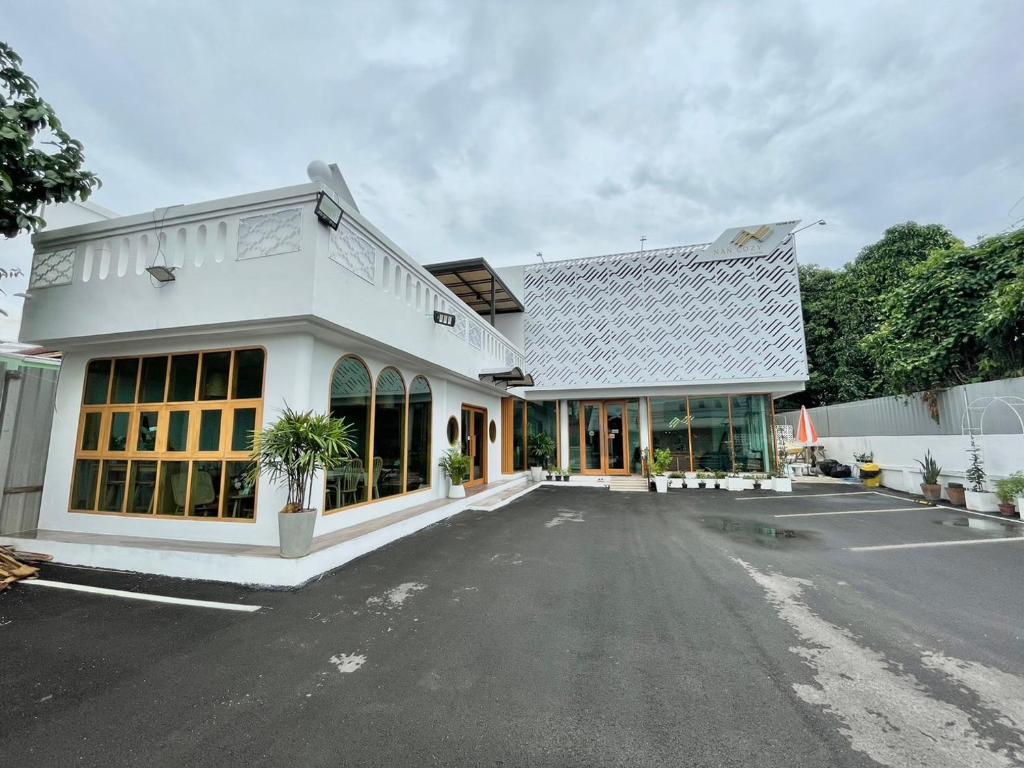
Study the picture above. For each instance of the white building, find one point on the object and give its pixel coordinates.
(162, 382)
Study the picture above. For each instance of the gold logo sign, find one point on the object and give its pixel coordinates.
(745, 235)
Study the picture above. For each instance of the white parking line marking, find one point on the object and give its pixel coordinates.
(142, 596)
(879, 547)
(852, 512)
(962, 511)
(794, 496)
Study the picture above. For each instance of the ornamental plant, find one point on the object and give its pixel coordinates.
(930, 470)
(297, 446)
(540, 446)
(661, 462)
(1010, 488)
(975, 471)
(455, 464)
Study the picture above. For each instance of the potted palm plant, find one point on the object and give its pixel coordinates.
(455, 465)
(540, 446)
(930, 471)
(290, 452)
(977, 498)
(660, 463)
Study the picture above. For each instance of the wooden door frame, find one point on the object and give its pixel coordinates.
(626, 461)
(602, 406)
(484, 445)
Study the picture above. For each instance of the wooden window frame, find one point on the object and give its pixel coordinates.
(131, 453)
(371, 427)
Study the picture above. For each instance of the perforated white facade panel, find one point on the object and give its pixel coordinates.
(664, 317)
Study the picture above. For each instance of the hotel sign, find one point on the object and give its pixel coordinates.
(745, 242)
(443, 318)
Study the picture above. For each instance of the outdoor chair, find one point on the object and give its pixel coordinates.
(378, 466)
(204, 497)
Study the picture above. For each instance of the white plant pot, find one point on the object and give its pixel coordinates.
(1019, 503)
(782, 484)
(692, 482)
(748, 483)
(456, 491)
(734, 484)
(295, 531)
(981, 501)
(536, 474)
(661, 484)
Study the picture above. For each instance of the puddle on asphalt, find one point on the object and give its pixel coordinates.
(752, 529)
(983, 524)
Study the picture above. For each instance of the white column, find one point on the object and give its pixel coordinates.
(645, 427)
(563, 433)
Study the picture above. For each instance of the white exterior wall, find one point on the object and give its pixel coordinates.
(898, 455)
(298, 372)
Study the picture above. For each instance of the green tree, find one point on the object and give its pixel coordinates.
(842, 307)
(39, 162)
(954, 319)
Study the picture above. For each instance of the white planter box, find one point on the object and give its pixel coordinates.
(1019, 502)
(689, 475)
(981, 501)
(456, 491)
(661, 484)
(734, 484)
(536, 474)
(692, 482)
(782, 484)
(748, 483)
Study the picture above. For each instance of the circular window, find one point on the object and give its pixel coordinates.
(493, 431)
(453, 430)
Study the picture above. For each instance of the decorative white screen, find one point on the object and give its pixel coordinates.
(663, 317)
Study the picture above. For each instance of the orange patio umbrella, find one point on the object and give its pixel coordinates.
(805, 432)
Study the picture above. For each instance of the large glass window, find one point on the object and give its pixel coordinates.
(388, 434)
(750, 433)
(418, 471)
(710, 433)
(350, 400)
(138, 454)
(519, 457)
(520, 419)
(670, 428)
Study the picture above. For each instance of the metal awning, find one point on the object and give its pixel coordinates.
(513, 377)
(478, 285)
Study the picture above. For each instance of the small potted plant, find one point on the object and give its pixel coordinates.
(565, 474)
(540, 446)
(930, 471)
(455, 465)
(548, 471)
(559, 474)
(977, 498)
(675, 479)
(955, 493)
(290, 452)
(719, 477)
(782, 483)
(860, 458)
(660, 462)
(1009, 492)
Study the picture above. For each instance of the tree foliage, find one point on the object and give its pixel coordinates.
(842, 307)
(39, 162)
(957, 318)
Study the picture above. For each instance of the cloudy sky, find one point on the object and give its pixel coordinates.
(501, 129)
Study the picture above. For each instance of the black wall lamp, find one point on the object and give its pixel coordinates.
(161, 274)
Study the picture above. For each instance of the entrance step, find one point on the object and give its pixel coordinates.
(632, 484)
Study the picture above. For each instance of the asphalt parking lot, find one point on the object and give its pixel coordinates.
(571, 627)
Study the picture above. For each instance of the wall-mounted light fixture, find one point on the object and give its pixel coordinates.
(328, 210)
(161, 274)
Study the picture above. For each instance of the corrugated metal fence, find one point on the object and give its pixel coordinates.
(26, 412)
(996, 408)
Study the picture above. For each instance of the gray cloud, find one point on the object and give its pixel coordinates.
(500, 129)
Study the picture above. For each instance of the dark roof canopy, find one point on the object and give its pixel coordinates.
(471, 281)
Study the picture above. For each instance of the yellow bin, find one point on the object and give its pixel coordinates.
(871, 475)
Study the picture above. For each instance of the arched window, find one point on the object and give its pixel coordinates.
(418, 470)
(388, 432)
(350, 400)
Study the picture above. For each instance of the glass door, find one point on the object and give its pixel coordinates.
(591, 439)
(616, 438)
(474, 443)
